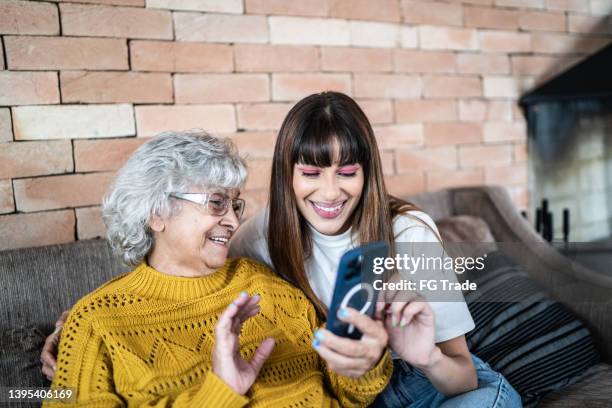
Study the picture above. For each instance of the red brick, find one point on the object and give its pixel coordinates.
(263, 116)
(103, 155)
(292, 87)
(288, 8)
(589, 24)
(445, 134)
(476, 2)
(45, 53)
(122, 22)
(7, 203)
(429, 158)
(28, 88)
(398, 136)
(89, 223)
(483, 64)
(313, 31)
(505, 41)
(226, 6)
(506, 86)
(6, 125)
(31, 230)
(28, 17)
(413, 61)
(441, 179)
(180, 57)
(535, 65)
(48, 193)
(542, 20)
(475, 110)
(488, 17)
(520, 3)
(355, 59)
(568, 5)
(426, 111)
(504, 131)
(255, 201)
(377, 111)
(447, 38)
(259, 174)
(216, 88)
(493, 155)
(72, 121)
(225, 28)
(275, 58)
(380, 10)
(507, 175)
(135, 3)
(378, 35)
(386, 159)
(151, 120)
(448, 86)
(567, 43)
(520, 152)
(406, 184)
(27, 159)
(255, 145)
(431, 12)
(390, 86)
(108, 87)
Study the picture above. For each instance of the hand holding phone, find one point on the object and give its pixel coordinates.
(354, 288)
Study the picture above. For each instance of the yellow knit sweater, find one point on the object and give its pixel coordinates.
(145, 338)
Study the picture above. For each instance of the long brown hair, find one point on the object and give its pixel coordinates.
(308, 135)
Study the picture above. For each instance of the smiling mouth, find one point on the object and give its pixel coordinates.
(328, 211)
(219, 240)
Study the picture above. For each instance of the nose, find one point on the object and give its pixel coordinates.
(230, 220)
(330, 190)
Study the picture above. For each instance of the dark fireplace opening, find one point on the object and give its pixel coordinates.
(569, 121)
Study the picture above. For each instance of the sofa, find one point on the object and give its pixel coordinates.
(36, 284)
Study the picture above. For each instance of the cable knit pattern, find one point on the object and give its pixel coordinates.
(145, 338)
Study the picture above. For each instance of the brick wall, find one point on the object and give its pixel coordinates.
(83, 82)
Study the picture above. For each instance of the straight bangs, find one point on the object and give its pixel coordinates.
(315, 145)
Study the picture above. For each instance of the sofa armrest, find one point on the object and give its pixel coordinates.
(587, 293)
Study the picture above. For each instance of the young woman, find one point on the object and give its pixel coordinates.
(327, 195)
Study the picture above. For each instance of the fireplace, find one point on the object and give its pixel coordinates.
(569, 120)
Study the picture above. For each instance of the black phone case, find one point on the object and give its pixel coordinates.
(353, 286)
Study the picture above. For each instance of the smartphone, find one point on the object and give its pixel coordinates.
(354, 288)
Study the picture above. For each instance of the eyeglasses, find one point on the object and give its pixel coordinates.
(216, 204)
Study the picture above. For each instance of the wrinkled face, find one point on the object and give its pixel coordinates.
(193, 239)
(327, 196)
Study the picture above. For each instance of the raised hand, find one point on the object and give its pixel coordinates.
(227, 363)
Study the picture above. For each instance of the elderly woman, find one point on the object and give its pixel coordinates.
(188, 327)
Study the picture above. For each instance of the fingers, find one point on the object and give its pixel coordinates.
(241, 309)
(418, 309)
(344, 346)
(62, 319)
(262, 353)
(48, 354)
(348, 366)
(369, 327)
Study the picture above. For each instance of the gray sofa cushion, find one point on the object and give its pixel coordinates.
(39, 283)
(537, 344)
(591, 390)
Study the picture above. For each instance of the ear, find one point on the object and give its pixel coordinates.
(157, 223)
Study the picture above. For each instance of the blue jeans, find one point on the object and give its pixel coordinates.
(409, 387)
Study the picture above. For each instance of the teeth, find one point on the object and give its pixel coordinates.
(219, 240)
(328, 209)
